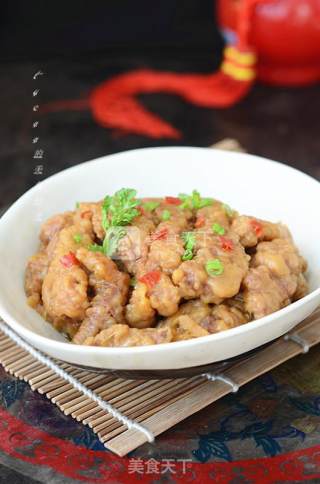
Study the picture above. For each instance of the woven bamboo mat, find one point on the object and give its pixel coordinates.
(157, 405)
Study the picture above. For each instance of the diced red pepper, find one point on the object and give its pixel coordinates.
(173, 200)
(86, 214)
(257, 227)
(150, 279)
(69, 260)
(226, 244)
(160, 234)
(200, 222)
(141, 210)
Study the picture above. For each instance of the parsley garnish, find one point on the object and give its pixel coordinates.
(117, 211)
(96, 248)
(214, 267)
(166, 215)
(189, 243)
(77, 204)
(194, 201)
(218, 229)
(150, 206)
(77, 238)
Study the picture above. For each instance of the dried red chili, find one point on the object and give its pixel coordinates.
(257, 227)
(86, 214)
(69, 260)
(200, 222)
(173, 200)
(141, 210)
(226, 244)
(150, 279)
(160, 234)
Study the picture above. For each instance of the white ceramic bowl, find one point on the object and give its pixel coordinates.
(252, 185)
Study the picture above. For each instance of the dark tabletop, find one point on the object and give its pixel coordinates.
(277, 123)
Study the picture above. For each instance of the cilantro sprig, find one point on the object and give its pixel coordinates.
(194, 201)
(117, 211)
(150, 206)
(189, 243)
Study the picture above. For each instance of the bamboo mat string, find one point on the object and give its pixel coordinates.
(298, 340)
(103, 404)
(224, 379)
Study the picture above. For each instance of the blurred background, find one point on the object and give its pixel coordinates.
(75, 46)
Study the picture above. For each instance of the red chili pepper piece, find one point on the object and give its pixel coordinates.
(173, 200)
(151, 278)
(200, 222)
(141, 210)
(226, 244)
(257, 227)
(86, 214)
(160, 235)
(69, 260)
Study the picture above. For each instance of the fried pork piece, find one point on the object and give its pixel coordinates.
(196, 309)
(133, 248)
(36, 270)
(64, 289)
(186, 323)
(218, 213)
(302, 288)
(53, 225)
(226, 316)
(88, 219)
(263, 294)
(110, 293)
(164, 296)
(252, 230)
(64, 325)
(145, 302)
(166, 248)
(275, 277)
(161, 205)
(151, 243)
(196, 318)
(122, 335)
(190, 277)
(194, 281)
(184, 327)
(280, 256)
(139, 312)
(179, 218)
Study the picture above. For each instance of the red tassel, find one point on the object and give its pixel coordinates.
(114, 103)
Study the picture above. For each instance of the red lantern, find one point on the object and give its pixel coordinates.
(285, 35)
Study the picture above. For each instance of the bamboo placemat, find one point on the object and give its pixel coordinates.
(156, 405)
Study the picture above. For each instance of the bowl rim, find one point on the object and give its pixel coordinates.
(163, 347)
